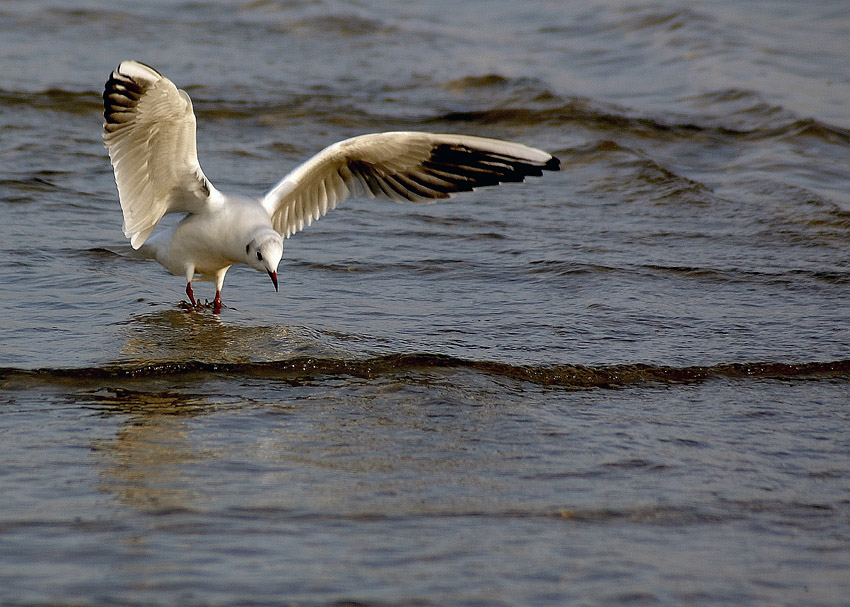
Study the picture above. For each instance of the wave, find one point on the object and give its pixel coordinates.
(556, 376)
(491, 99)
(721, 511)
(723, 114)
(59, 100)
(583, 114)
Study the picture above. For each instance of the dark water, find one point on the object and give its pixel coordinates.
(627, 383)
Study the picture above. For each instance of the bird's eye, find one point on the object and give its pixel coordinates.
(247, 248)
(259, 256)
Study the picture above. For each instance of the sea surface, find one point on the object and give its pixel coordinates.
(625, 383)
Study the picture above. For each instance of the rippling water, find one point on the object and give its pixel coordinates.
(624, 383)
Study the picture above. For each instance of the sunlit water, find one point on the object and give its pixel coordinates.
(624, 383)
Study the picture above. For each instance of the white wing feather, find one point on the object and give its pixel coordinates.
(399, 166)
(149, 129)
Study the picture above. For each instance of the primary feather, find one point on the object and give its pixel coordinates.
(149, 130)
(399, 166)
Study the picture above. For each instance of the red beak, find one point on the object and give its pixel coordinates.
(273, 276)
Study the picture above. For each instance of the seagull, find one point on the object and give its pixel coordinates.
(149, 130)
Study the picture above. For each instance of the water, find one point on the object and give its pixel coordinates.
(624, 383)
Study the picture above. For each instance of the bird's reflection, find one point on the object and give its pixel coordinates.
(144, 464)
(149, 462)
(179, 336)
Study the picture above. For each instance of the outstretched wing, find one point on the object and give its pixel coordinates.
(399, 166)
(149, 129)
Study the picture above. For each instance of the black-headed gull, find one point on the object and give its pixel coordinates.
(149, 130)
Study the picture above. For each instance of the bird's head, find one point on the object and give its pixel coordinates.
(264, 251)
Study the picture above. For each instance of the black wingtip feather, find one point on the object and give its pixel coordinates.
(483, 168)
(121, 94)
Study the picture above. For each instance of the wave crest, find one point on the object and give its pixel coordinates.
(564, 376)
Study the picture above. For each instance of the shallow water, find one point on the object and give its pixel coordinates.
(624, 383)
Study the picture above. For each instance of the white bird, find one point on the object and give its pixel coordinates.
(149, 130)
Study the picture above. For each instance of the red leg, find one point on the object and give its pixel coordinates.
(217, 302)
(191, 294)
